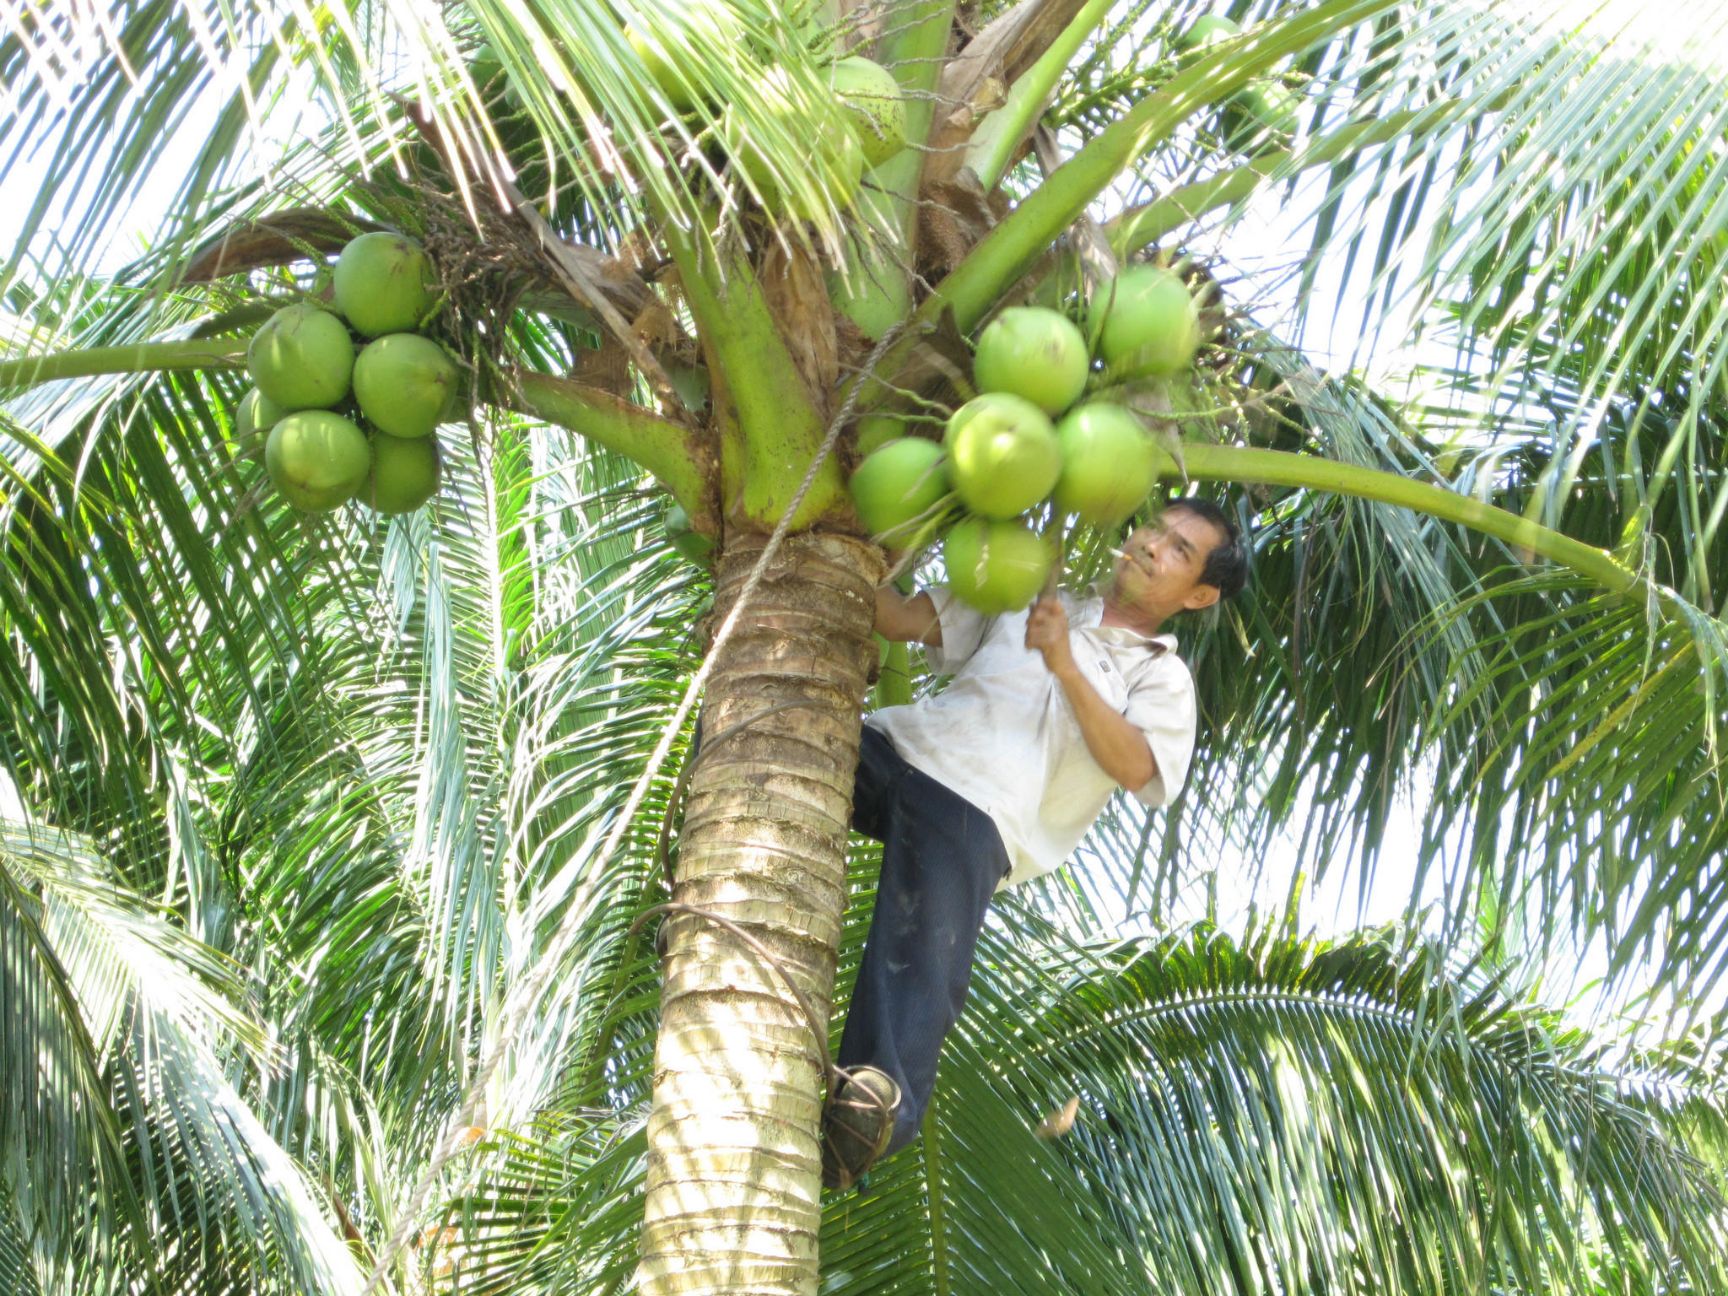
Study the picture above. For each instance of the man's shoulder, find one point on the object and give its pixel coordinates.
(1166, 670)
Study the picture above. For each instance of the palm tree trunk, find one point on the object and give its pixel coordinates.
(733, 1184)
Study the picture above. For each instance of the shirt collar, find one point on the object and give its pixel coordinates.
(1090, 615)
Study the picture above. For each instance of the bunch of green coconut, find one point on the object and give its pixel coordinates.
(1033, 437)
(348, 403)
(1259, 117)
(859, 124)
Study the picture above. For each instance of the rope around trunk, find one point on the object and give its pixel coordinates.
(818, 1027)
(662, 844)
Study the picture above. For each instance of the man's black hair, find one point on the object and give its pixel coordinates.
(1227, 564)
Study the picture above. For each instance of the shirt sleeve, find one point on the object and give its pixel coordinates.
(963, 630)
(1162, 706)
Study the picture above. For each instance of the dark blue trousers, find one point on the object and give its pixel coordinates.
(942, 858)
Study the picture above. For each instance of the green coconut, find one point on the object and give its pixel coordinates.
(1034, 353)
(1148, 323)
(877, 430)
(1258, 118)
(1208, 29)
(1002, 454)
(684, 538)
(874, 104)
(681, 38)
(302, 358)
(317, 459)
(898, 489)
(1109, 463)
(384, 283)
(995, 566)
(254, 416)
(486, 70)
(833, 166)
(497, 91)
(404, 474)
(405, 384)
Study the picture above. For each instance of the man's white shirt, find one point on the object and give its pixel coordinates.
(1003, 735)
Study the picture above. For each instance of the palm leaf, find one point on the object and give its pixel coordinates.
(17, 1269)
(590, 98)
(1334, 1114)
(152, 1005)
(284, 723)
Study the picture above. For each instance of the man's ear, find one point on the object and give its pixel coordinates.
(1201, 596)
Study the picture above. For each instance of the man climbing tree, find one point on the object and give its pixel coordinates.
(342, 655)
(996, 779)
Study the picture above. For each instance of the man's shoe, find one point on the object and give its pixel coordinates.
(857, 1124)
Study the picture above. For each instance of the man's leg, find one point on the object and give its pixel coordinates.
(941, 861)
(858, 1118)
(879, 771)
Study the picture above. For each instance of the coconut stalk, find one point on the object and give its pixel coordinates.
(770, 430)
(670, 451)
(894, 674)
(1142, 226)
(667, 450)
(1247, 466)
(131, 358)
(999, 136)
(1008, 250)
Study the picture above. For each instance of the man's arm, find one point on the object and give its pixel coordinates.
(906, 618)
(1115, 742)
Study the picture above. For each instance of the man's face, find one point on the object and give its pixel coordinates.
(1159, 570)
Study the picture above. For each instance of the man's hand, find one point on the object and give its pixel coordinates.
(1118, 746)
(1047, 632)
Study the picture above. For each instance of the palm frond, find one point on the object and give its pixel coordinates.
(1252, 1116)
(351, 756)
(17, 1267)
(590, 105)
(1380, 660)
(980, 1203)
(57, 1119)
(154, 1007)
(1566, 236)
(1329, 1115)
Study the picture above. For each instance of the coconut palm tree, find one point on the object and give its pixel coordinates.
(339, 842)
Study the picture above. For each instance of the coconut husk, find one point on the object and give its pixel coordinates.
(606, 367)
(953, 217)
(797, 298)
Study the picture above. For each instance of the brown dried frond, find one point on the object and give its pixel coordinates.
(953, 217)
(282, 237)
